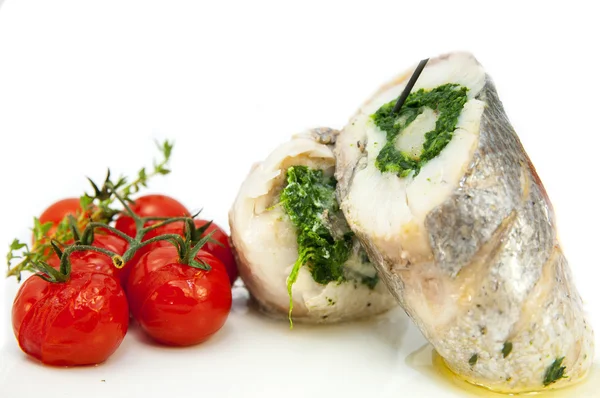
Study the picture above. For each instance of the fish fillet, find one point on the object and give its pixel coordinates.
(466, 242)
(265, 243)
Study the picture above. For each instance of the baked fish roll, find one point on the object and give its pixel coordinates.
(450, 209)
(296, 254)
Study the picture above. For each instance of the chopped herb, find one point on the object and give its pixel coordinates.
(507, 348)
(330, 301)
(364, 257)
(473, 360)
(370, 282)
(447, 100)
(554, 372)
(306, 197)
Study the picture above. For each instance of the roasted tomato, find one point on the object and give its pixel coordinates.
(177, 304)
(78, 322)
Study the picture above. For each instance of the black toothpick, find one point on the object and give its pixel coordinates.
(410, 85)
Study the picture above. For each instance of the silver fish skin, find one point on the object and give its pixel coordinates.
(481, 272)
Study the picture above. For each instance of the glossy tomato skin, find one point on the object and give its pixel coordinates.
(78, 322)
(150, 206)
(176, 304)
(222, 252)
(58, 210)
(91, 261)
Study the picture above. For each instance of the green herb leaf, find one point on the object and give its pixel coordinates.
(291, 279)
(142, 175)
(473, 359)
(15, 246)
(507, 348)
(40, 230)
(554, 372)
(85, 201)
(167, 148)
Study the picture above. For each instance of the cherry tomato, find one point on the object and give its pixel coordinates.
(177, 304)
(59, 210)
(91, 261)
(150, 206)
(78, 322)
(222, 252)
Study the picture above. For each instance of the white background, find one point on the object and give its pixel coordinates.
(89, 84)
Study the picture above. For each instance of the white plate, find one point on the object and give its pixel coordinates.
(257, 356)
(229, 81)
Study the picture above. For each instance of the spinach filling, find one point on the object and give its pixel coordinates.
(447, 101)
(324, 240)
(306, 197)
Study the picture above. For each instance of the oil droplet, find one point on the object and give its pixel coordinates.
(428, 362)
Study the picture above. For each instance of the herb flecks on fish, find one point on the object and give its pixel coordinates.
(554, 372)
(307, 195)
(473, 360)
(507, 348)
(447, 101)
(370, 282)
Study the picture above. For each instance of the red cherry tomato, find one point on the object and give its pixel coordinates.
(78, 322)
(91, 261)
(150, 206)
(222, 252)
(59, 210)
(177, 304)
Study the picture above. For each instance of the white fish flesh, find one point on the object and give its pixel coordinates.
(265, 241)
(464, 237)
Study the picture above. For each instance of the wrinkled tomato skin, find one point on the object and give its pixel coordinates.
(176, 304)
(78, 322)
(91, 261)
(150, 206)
(222, 252)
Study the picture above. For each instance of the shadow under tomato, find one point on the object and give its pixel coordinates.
(136, 332)
(36, 362)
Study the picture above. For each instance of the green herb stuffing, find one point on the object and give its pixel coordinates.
(447, 100)
(306, 197)
(554, 372)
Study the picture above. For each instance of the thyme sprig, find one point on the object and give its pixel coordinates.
(187, 246)
(98, 207)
